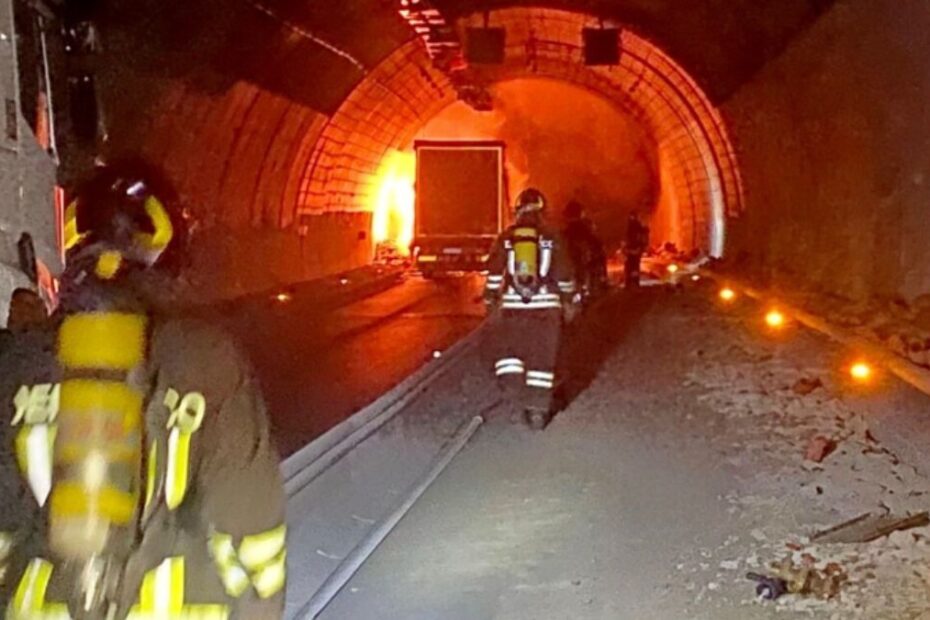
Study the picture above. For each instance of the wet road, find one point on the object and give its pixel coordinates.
(317, 368)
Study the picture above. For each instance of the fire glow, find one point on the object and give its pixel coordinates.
(392, 201)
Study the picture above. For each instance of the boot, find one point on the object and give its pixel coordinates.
(536, 419)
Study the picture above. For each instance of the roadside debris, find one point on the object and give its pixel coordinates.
(768, 588)
(819, 448)
(870, 526)
(789, 577)
(807, 385)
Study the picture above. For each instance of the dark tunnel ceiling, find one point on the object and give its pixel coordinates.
(216, 42)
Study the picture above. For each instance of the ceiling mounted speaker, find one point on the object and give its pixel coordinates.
(601, 46)
(485, 46)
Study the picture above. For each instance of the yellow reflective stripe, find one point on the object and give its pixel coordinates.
(30, 594)
(29, 600)
(259, 549)
(72, 499)
(108, 264)
(269, 580)
(178, 464)
(152, 475)
(107, 340)
(163, 588)
(161, 222)
(72, 237)
(34, 446)
(162, 597)
(234, 577)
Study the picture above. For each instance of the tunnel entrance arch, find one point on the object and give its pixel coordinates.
(699, 178)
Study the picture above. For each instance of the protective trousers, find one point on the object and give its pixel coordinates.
(525, 344)
(632, 269)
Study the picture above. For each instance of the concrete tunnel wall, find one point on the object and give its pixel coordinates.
(231, 155)
(834, 144)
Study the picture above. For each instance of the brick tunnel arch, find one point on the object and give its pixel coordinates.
(699, 177)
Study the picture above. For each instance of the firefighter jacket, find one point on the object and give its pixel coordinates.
(529, 268)
(210, 540)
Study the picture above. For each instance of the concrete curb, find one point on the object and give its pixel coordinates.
(905, 370)
(311, 461)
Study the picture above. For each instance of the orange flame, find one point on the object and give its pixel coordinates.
(392, 201)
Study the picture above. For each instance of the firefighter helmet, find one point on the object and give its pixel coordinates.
(530, 200)
(120, 215)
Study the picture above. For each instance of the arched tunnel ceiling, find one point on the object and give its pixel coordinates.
(271, 42)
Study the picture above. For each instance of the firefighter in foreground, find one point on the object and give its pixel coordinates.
(153, 490)
(530, 280)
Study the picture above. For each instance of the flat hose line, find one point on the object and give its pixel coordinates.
(367, 546)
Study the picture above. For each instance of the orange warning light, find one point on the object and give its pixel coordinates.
(727, 294)
(861, 371)
(775, 319)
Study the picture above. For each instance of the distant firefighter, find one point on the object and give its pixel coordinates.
(530, 279)
(589, 261)
(635, 245)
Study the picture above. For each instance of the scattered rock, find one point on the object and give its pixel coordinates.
(807, 385)
(819, 448)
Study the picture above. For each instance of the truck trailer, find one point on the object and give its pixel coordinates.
(460, 204)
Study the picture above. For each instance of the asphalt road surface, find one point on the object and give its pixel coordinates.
(677, 466)
(319, 367)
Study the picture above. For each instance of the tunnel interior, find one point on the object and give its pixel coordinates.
(742, 132)
(315, 190)
(638, 135)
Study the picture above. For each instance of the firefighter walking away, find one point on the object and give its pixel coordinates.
(151, 487)
(530, 283)
(636, 243)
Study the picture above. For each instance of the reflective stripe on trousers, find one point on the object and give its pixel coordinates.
(540, 379)
(261, 559)
(162, 597)
(29, 600)
(509, 366)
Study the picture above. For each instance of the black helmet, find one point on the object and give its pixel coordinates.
(119, 215)
(530, 200)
